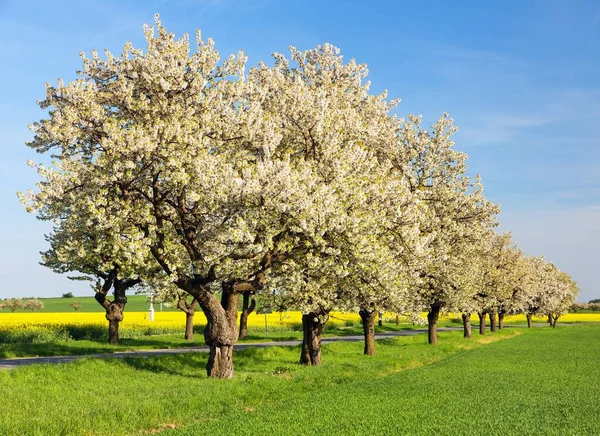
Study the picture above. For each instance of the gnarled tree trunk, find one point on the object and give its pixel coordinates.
(529, 316)
(368, 322)
(550, 318)
(189, 326)
(220, 332)
(554, 318)
(248, 306)
(466, 319)
(114, 309)
(114, 315)
(432, 319)
(492, 315)
(501, 315)
(190, 310)
(312, 328)
(482, 316)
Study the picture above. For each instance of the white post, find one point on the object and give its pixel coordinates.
(266, 326)
(151, 310)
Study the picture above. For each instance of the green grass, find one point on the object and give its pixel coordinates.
(93, 339)
(543, 381)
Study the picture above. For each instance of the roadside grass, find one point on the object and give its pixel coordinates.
(42, 342)
(270, 393)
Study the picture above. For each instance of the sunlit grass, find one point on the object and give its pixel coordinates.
(114, 397)
(538, 381)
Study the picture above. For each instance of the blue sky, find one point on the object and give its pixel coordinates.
(521, 80)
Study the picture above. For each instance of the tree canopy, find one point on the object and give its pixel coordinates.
(178, 169)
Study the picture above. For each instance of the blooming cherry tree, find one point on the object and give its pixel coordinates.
(455, 215)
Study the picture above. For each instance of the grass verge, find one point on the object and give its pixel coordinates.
(136, 395)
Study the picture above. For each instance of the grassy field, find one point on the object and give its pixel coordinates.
(539, 381)
(135, 303)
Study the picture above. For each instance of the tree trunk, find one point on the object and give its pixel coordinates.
(432, 319)
(113, 332)
(380, 322)
(466, 319)
(554, 319)
(492, 315)
(500, 320)
(312, 328)
(220, 332)
(220, 361)
(190, 310)
(189, 325)
(397, 319)
(550, 318)
(247, 309)
(114, 309)
(482, 316)
(529, 316)
(368, 321)
(114, 315)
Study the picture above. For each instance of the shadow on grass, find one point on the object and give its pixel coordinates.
(51, 349)
(249, 360)
(185, 364)
(82, 347)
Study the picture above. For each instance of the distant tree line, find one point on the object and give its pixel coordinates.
(13, 304)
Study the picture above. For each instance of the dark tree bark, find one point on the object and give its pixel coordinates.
(397, 319)
(554, 318)
(190, 310)
(248, 306)
(482, 316)
(115, 308)
(380, 321)
(492, 315)
(432, 319)
(189, 326)
(312, 329)
(466, 319)
(368, 322)
(501, 315)
(550, 318)
(114, 315)
(529, 316)
(220, 332)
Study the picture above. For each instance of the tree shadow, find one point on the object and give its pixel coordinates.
(192, 364)
(8, 351)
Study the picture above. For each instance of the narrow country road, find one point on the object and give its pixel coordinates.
(21, 361)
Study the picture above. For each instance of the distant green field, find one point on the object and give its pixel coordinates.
(135, 303)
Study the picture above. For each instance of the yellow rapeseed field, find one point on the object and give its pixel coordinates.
(140, 319)
(177, 319)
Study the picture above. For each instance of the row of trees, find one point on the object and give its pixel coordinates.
(580, 307)
(13, 304)
(195, 178)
